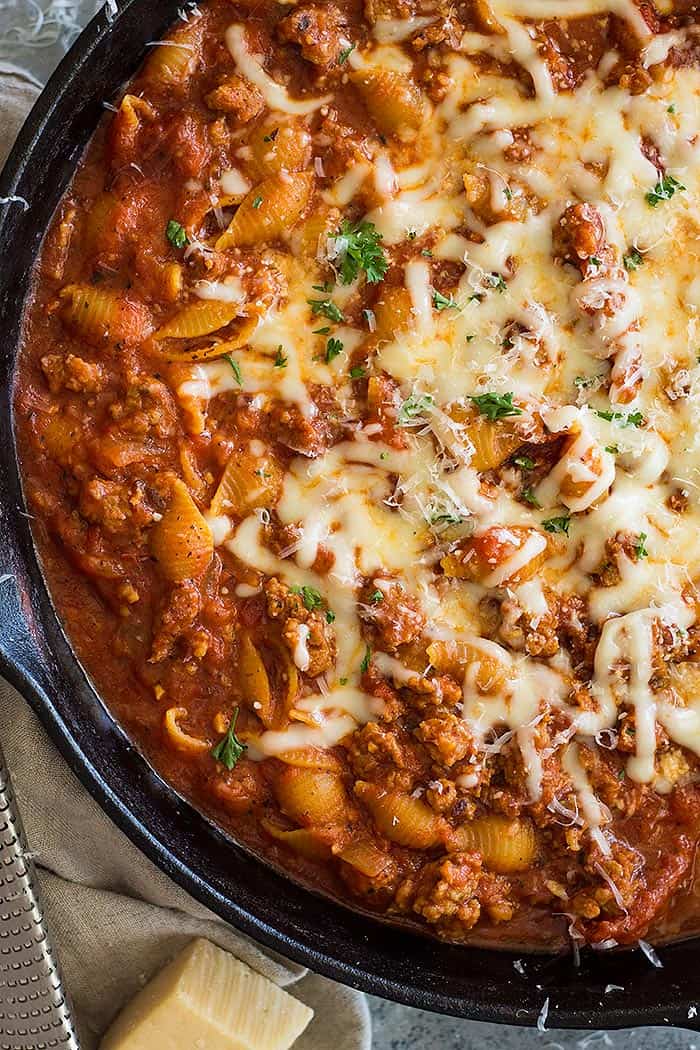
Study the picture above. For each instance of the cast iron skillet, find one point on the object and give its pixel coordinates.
(36, 657)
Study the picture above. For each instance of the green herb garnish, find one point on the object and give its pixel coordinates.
(357, 372)
(496, 281)
(364, 666)
(664, 189)
(444, 302)
(272, 136)
(328, 309)
(528, 496)
(412, 408)
(257, 201)
(230, 748)
(236, 369)
(357, 247)
(330, 616)
(333, 348)
(176, 234)
(524, 462)
(631, 419)
(344, 55)
(639, 548)
(633, 260)
(280, 359)
(558, 524)
(496, 406)
(376, 597)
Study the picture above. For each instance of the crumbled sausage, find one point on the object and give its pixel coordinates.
(393, 620)
(72, 373)
(238, 96)
(447, 738)
(175, 618)
(319, 32)
(314, 646)
(580, 235)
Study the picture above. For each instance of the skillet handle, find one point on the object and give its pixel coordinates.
(34, 1009)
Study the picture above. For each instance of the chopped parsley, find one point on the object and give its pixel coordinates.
(370, 318)
(664, 189)
(427, 253)
(528, 496)
(524, 462)
(327, 308)
(593, 260)
(633, 260)
(640, 550)
(257, 201)
(311, 598)
(558, 524)
(333, 348)
(376, 597)
(477, 297)
(612, 449)
(671, 108)
(357, 372)
(357, 247)
(496, 406)
(344, 55)
(470, 338)
(496, 281)
(272, 136)
(508, 193)
(412, 408)
(444, 302)
(230, 748)
(411, 233)
(236, 369)
(330, 616)
(632, 419)
(321, 331)
(343, 681)
(176, 234)
(364, 666)
(446, 518)
(280, 359)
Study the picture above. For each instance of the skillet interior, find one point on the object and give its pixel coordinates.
(36, 657)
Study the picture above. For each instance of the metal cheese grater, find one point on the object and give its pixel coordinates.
(34, 1011)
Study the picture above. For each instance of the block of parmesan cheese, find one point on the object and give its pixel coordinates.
(205, 999)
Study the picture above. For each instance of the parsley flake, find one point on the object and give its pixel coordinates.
(444, 302)
(311, 598)
(524, 462)
(357, 372)
(427, 253)
(671, 108)
(327, 308)
(412, 408)
(364, 666)
(593, 260)
(496, 406)
(633, 260)
(280, 359)
(357, 247)
(496, 281)
(257, 201)
(272, 136)
(632, 419)
(330, 616)
(612, 449)
(639, 548)
(333, 348)
(176, 234)
(477, 297)
(376, 597)
(236, 369)
(664, 189)
(344, 55)
(528, 496)
(558, 524)
(230, 748)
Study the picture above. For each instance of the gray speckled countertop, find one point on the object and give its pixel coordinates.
(402, 1028)
(34, 35)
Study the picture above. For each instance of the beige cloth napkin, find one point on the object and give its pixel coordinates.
(115, 919)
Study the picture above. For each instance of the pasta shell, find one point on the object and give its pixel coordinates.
(181, 541)
(400, 818)
(310, 238)
(493, 443)
(102, 315)
(485, 558)
(277, 146)
(505, 845)
(393, 99)
(238, 334)
(98, 220)
(312, 758)
(365, 857)
(269, 210)
(60, 437)
(181, 741)
(301, 840)
(171, 64)
(393, 313)
(255, 681)
(457, 656)
(199, 318)
(311, 796)
(248, 482)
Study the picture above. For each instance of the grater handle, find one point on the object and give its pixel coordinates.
(34, 1011)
